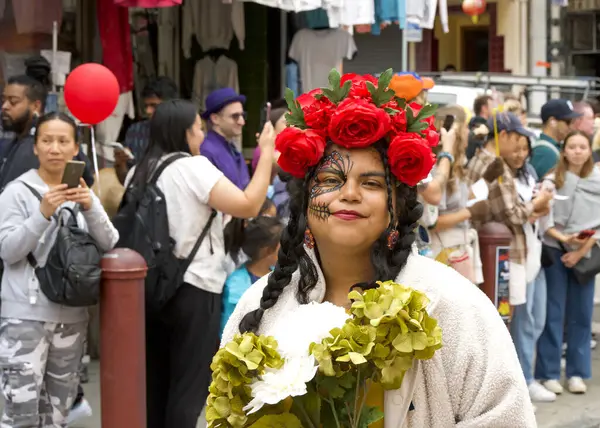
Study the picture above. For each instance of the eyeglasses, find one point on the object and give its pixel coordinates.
(237, 116)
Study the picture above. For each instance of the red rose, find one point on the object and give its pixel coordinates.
(432, 137)
(392, 104)
(300, 149)
(316, 112)
(359, 84)
(399, 122)
(410, 159)
(357, 123)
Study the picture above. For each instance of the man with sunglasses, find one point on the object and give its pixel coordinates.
(226, 115)
(557, 116)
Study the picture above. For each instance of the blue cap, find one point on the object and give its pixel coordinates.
(559, 109)
(508, 122)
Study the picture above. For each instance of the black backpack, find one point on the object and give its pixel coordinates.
(72, 273)
(143, 225)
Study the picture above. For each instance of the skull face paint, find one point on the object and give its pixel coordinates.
(330, 176)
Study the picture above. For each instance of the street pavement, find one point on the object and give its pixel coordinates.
(569, 411)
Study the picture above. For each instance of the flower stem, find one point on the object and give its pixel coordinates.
(332, 405)
(358, 382)
(305, 414)
(364, 400)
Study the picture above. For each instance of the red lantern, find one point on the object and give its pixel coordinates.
(474, 8)
(91, 93)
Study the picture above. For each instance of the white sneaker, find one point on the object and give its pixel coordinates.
(593, 344)
(576, 385)
(539, 394)
(83, 410)
(553, 385)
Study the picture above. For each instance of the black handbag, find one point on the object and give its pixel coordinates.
(588, 267)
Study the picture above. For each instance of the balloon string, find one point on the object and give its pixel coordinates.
(95, 157)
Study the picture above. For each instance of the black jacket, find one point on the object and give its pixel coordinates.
(17, 158)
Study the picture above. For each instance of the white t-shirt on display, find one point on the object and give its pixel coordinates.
(317, 52)
(186, 184)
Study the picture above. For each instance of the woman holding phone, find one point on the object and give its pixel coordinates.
(574, 213)
(41, 342)
(450, 241)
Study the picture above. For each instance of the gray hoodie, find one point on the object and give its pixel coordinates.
(23, 229)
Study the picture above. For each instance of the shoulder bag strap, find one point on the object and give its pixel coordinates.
(188, 261)
(165, 164)
(30, 257)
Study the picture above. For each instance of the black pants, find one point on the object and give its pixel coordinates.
(180, 343)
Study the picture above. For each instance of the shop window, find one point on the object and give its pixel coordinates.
(581, 32)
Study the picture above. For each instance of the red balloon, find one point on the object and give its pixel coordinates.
(473, 7)
(91, 93)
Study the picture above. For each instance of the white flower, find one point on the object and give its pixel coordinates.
(275, 386)
(307, 324)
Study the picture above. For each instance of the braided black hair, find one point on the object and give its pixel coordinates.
(292, 256)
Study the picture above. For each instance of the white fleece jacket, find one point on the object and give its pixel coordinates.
(474, 381)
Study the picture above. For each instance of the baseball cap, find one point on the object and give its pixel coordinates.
(559, 109)
(508, 122)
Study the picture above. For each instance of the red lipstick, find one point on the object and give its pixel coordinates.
(348, 215)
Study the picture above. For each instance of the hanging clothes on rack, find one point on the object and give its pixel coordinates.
(388, 12)
(318, 51)
(212, 73)
(423, 12)
(169, 36)
(115, 36)
(351, 13)
(148, 4)
(34, 16)
(213, 23)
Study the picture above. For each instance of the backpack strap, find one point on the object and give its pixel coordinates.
(168, 161)
(37, 195)
(186, 264)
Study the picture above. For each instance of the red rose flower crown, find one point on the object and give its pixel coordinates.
(355, 112)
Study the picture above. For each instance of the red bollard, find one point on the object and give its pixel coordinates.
(494, 244)
(123, 340)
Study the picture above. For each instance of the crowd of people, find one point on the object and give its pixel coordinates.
(544, 189)
(237, 223)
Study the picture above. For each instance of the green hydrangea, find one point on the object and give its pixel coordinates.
(234, 367)
(389, 328)
(404, 329)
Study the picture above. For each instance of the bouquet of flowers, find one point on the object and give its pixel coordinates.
(319, 365)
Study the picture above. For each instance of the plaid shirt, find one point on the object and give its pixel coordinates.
(478, 165)
(506, 207)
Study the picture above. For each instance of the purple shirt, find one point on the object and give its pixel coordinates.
(226, 158)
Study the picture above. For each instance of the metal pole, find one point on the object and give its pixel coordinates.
(404, 50)
(404, 42)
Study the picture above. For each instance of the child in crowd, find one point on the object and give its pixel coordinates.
(260, 245)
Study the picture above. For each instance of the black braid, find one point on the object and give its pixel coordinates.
(291, 257)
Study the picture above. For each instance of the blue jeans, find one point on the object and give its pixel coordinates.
(572, 302)
(528, 322)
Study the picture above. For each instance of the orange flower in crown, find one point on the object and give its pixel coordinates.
(355, 112)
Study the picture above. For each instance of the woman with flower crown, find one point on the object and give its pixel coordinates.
(357, 151)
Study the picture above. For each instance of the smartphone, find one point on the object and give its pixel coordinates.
(585, 234)
(448, 122)
(265, 115)
(73, 173)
